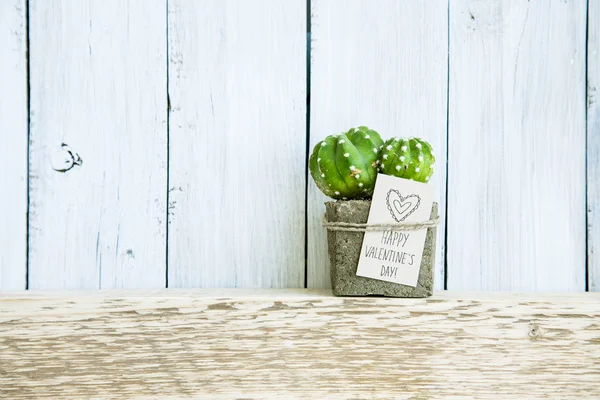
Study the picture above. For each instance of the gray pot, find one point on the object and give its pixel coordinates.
(344, 251)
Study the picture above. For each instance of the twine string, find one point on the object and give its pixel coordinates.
(402, 226)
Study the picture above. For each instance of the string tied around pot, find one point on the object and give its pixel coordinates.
(400, 226)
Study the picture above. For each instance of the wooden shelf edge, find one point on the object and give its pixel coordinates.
(298, 344)
(288, 293)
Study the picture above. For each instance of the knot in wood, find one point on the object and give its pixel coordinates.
(65, 158)
(535, 331)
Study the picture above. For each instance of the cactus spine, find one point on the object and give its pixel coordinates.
(407, 158)
(344, 166)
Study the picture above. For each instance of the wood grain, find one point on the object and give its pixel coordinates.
(383, 66)
(98, 84)
(298, 344)
(13, 145)
(593, 145)
(237, 87)
(516, 196)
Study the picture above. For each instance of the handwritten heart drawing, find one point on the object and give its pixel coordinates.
(401, 207)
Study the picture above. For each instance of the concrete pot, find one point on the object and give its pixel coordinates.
(344, 252)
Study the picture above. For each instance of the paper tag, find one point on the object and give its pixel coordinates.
(395, 256)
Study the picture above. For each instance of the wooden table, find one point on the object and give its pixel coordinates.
(298, 344)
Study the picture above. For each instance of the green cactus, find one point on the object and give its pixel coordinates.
(407, 158)
(344, 166)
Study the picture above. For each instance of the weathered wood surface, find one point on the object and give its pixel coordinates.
(99, 85)
(13, 145)
(237, 89)
(298, 344)
(516, 184)
(593, 145)
(382, 64)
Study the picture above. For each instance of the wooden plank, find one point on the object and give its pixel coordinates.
(98, 84)
(237, 87)
(593, 145)
(13, 148)
(298, 344)
(517, 146)
(384, 67)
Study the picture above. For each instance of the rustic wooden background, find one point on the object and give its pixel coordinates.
(192, 123)
(297, 344)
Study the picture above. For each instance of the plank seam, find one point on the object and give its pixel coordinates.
(447, 144)
(306, 174)
(168, 148)
(28, 155)
(587, 182)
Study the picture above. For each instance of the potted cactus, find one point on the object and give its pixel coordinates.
(345, 168)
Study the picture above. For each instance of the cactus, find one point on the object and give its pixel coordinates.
(344, 166)
(407, 158)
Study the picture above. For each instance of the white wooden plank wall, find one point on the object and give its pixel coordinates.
(190, 120)
(593, 144)
(237, 87)
(98, 84)
(516, 198)
(381, 65)
(13, 144)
